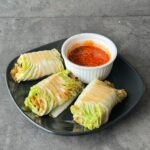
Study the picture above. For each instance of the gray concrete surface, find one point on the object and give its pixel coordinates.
(28, 24)
(59, 8)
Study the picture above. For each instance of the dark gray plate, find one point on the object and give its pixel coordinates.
(123, 76)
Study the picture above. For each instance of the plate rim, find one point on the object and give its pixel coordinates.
(143, 88)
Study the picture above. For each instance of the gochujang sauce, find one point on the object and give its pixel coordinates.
(88, 56)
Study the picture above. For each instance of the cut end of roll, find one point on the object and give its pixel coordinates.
(122, 94)
(14, 71)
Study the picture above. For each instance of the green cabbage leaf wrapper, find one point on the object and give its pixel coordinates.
(94, 105)
(54, 92)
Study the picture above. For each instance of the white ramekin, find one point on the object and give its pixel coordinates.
(87, 74)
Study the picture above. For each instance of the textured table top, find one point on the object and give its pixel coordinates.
(30, 23)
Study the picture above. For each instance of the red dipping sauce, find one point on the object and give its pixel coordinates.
(88, 56)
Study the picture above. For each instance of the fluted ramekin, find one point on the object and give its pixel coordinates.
(87, 74)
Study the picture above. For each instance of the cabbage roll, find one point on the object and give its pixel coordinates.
(94, 104)
(34, 65)
(53, 94)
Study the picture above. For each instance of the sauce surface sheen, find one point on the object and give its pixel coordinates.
(88, 56)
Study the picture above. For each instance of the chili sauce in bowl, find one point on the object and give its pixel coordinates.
(88, 55)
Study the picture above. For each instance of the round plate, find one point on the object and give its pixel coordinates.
(122, 75)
